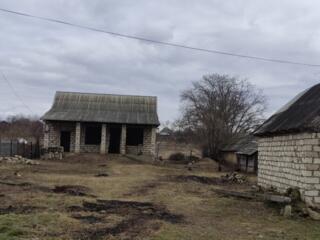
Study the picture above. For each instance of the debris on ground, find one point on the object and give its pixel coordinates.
(74, 190)
(233, 178)
(255, 196)
(16, 159)
(138, 217)
(314, 213)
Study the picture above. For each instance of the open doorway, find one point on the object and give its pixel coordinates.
(115, 138)
(65, 140)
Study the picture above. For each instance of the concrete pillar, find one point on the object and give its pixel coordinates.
(77, 138)
(103, 143)
(46, 136)
(123, 139)
(153, 141)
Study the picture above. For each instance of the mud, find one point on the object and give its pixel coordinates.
(199, 179)
(73, 190)
(139, 216)
(102, 175)
(18, 210)
(143, 190)
(88, 218)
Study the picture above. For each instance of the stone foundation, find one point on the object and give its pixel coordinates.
(291, 161)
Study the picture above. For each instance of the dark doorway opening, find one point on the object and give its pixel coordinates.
(115, 137)
(65, 140)
(134, 136)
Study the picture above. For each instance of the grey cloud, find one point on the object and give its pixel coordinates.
(40, 58)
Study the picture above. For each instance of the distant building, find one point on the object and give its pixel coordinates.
(289, 147)
(242, 154)
(165, 132)
(102, 123)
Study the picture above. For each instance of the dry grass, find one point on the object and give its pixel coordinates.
(205, 214)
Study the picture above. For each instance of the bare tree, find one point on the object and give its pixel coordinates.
(219, 107)
(20, 126)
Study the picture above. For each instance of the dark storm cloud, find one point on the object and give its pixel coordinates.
(40, 57)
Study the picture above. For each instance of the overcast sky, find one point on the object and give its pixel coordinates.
(40, 58)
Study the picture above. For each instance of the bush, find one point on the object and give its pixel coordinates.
(177, 157)
(193, 158)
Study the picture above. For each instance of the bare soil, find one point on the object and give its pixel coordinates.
(66, 200)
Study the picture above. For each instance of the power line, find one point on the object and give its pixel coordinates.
(15, 93)
(266, 59)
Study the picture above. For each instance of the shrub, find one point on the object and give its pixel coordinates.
(177, 157)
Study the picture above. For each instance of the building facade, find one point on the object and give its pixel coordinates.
(102, 123)
(289, 147)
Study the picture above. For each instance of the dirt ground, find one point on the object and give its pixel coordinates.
(113, 197)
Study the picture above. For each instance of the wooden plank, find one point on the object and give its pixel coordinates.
(255, 196)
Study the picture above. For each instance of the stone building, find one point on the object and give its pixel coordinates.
(289, 147)
(102, 123)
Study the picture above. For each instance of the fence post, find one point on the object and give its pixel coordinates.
(11, 148)
(31, 150)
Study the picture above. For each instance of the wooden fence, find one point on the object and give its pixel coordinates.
(14, 147)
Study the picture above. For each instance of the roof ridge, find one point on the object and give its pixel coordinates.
(106, 94)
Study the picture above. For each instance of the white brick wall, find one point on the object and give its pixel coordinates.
(291, 161)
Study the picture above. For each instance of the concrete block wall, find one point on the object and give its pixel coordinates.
(52, 134)
(52, 139)
(291, 160)
(149, 141)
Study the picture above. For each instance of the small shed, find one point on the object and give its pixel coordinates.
(242, 153)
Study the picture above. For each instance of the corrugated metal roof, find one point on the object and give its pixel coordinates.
(244, 145)
(108, 108)
(301, 114)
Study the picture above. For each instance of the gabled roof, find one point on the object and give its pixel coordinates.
(107, 108)
(165, 131)
(301, 114)
(244, 145)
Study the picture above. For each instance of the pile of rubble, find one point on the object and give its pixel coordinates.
(234, 177)
(16, 159)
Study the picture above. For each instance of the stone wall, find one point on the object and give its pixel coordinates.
(288, 161)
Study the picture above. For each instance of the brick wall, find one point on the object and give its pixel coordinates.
(291, 161)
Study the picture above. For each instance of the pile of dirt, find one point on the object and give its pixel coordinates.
(73, 190)
(138, 217)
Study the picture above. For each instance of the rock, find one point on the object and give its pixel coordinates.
(287, 211)
(17, 174)
(315, 215)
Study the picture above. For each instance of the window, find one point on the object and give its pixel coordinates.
(134, 136)
(93, 135)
